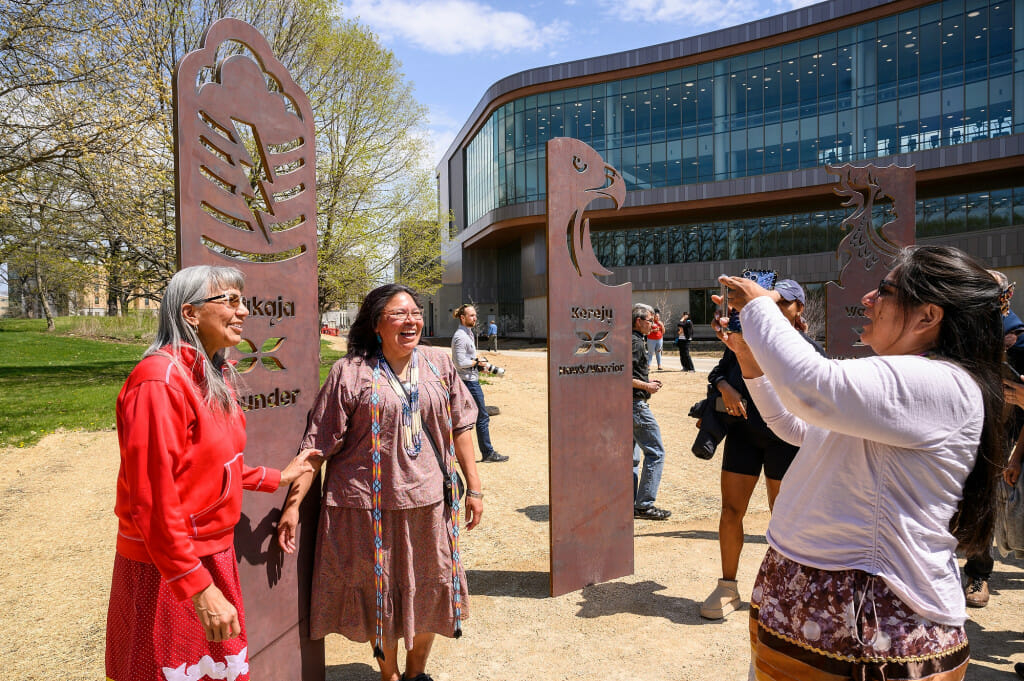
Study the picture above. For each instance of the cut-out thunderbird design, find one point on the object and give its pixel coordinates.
(246, 156)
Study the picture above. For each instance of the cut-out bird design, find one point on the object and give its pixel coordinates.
(863, 242)
(591, 179)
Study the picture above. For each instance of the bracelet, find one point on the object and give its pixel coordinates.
(473, 494)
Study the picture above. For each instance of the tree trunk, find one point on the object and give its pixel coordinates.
(41, 292)
(114, 280)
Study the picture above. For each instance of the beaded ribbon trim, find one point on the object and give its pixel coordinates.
(376, 403)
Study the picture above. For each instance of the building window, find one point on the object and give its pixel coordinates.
(795, 234)
(913, 81)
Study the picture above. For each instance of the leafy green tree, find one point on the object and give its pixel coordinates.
(87, 99)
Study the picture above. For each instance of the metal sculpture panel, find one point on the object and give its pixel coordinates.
(246, 196)
(866, 254)
(590, 426)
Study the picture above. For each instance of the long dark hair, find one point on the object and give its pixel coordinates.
(362, 336)
(971, 335)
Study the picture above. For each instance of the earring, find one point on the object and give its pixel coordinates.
(379, 339)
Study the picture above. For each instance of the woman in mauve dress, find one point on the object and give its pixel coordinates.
(175, 603)
(392, 419)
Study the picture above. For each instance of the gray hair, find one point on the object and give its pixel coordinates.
(641, 310)
(173, 332)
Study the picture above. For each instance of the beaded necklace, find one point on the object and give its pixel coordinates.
(376, 402)
(409, 393)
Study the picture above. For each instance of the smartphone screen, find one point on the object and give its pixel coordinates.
(765, 278)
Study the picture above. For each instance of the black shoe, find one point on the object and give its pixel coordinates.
(1019, 668)
(651, 513)
(494, 457)
(976, 593)
(418, 677)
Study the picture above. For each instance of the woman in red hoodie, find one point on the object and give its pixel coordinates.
(175, 602)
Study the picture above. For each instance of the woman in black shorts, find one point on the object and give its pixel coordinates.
(749, 447)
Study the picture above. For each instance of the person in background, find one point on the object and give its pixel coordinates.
(750, 446)
(393, 420)
(175, 600)
(899, 453)
(684, 335)
(492, 334)
(646, 432)
(655, 339)
(469, 365)
(978, 567)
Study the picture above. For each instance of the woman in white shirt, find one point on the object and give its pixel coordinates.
(896, 468)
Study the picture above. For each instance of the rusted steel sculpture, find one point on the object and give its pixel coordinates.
(246, 196)
(866, 253)
(590, 425)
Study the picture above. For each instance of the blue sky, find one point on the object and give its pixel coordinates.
(453, 50)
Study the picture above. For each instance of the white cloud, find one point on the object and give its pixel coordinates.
(440, 133)
(699, 15)
(455, 26)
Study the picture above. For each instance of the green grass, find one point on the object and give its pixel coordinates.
(55, 380)
(50, 381)
(131, 328)
(327, 359)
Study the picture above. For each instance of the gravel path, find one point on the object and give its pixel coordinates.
(57, 529)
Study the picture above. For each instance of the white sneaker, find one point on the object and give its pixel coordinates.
(723, 600)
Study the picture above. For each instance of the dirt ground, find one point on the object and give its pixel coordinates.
(57, 532)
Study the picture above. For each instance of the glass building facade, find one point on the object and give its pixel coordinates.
(794, 234)
(947, 73)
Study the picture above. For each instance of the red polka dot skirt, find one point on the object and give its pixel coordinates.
(152, 636)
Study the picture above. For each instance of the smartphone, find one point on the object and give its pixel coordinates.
(1010, 374)
(765, 278)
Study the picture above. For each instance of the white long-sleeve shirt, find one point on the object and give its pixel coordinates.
(886, 444)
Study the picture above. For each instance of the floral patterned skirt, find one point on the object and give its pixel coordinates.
(823, 625)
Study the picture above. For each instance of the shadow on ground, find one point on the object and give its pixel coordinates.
(640, 598)
(353, 671)
(540, 513)
(521, 584)
(702, 534)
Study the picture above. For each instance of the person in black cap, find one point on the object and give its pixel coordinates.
(749, 446)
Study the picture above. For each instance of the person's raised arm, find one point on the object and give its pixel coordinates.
(901, 400)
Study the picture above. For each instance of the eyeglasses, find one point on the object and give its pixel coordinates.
(887, 288)
(403, 315)
(233, 300)
(644, 319)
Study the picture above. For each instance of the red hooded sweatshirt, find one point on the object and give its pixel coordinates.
(179, 489)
